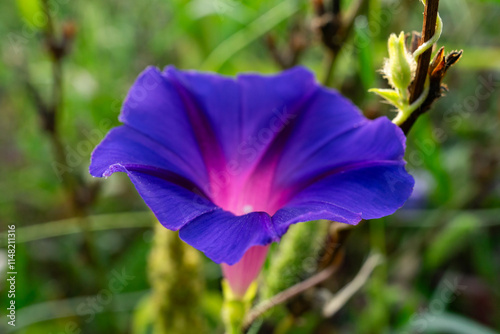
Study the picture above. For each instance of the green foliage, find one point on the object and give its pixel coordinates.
(455, 324)
(450, 239)
(177, 286)
(32, 12)
(365, 54)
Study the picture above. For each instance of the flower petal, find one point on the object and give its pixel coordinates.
(279, 145)
(332, 133)
(174, 205)
(214, 98)
(246, 114)
(245, 117)
(269, 105)
(241, 275)
(224, 237)
(368, 191)
(125, 147)
(154, 108)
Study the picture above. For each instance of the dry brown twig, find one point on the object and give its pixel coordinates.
(343, 295)
(289, 293)
(288, 56)
(334, 28)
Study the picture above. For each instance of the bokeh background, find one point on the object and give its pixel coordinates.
(75, 233)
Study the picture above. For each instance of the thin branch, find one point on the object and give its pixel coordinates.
(336, 7)
(57, 91)
(343, 296)
(335, 32)
(288, 56)
(353, 12)
(289, 293)
(49, 30)
(275, 53)
(336, 238)
(428, 30)
(330, 65)
(79, 194)
(436, 70)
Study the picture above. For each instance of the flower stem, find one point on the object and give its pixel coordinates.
(406, 112)
(428, 31)
(235, 309)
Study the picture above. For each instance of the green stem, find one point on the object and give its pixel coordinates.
(235, 309)
(425, 46)
(405, 112)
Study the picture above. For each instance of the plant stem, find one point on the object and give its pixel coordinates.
(428, 30)
(416, 89)
(335, 35)
(343, 296)
(289, 293)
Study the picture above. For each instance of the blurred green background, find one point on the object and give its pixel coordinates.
(442, 268)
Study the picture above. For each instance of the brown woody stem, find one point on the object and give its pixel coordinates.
(417, 87)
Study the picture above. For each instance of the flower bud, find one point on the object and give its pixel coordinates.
(399, 69)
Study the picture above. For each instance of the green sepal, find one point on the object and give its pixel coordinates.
(234, 308)
(389, 94)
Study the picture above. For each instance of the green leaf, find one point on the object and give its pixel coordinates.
(143, 317)
(452, 324)
(390, 95)
(241, 38)
(451, 239)
(365, 52)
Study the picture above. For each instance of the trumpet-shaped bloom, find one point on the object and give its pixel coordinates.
(232, 162)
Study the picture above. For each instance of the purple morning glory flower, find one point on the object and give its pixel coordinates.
(232, 163)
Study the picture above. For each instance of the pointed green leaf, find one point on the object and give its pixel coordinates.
(390, 95)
